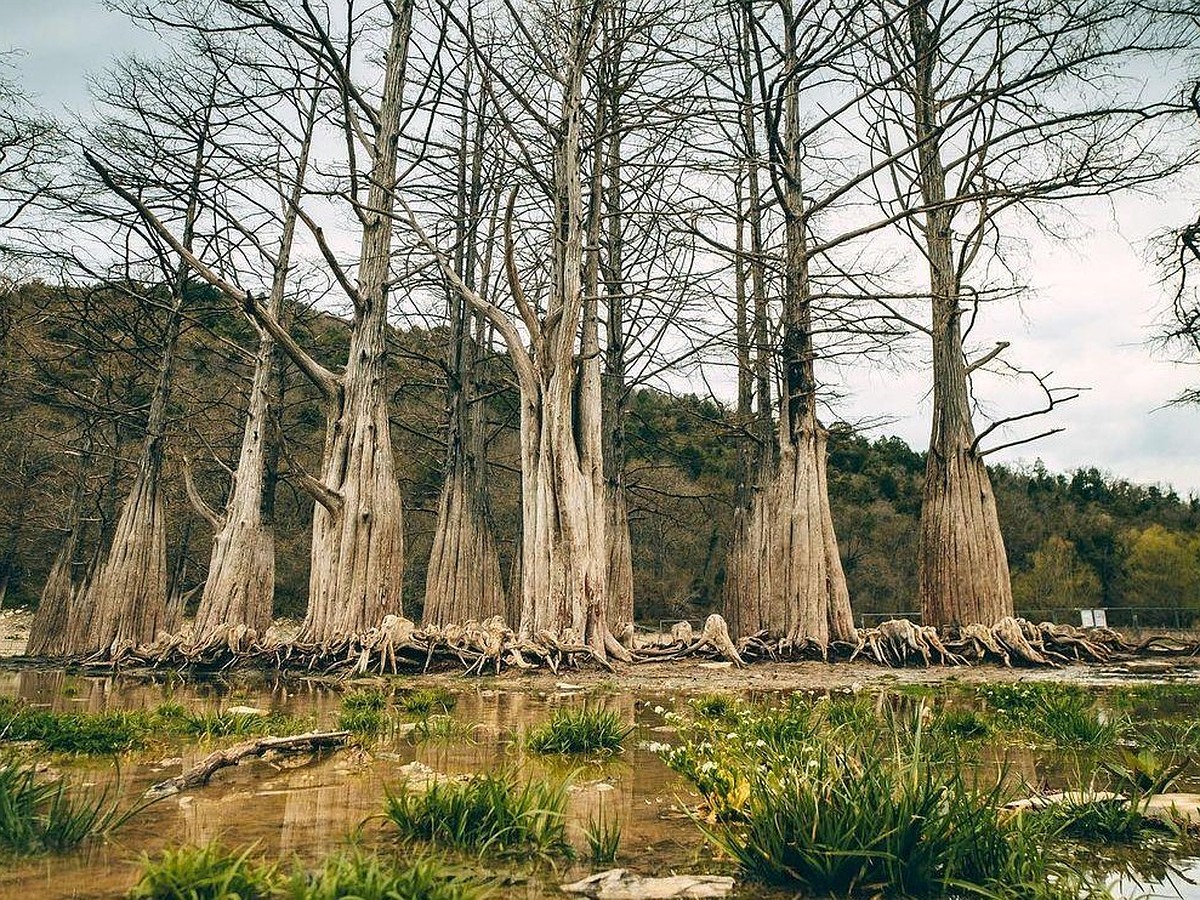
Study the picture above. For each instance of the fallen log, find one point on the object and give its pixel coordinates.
(200, 774)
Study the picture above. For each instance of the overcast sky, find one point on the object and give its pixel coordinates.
(1089, 317)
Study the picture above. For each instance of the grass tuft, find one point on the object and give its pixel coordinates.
(603, 838)
(580, 730)
(116, 731)
(208, 872)
(436, 728)
(816, 803)
(364, 711)
(714, 706)
(424, 701)
(38, 816)
(960, 724)
(356, 875)
(490, 813)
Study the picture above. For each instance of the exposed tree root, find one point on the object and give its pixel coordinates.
(401, 646)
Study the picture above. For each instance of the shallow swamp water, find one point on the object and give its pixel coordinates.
(307, 806)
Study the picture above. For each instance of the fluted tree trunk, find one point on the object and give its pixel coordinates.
(605, 270)
(49, 630)
(564, 545)
(124, 601)
(463, 578)
(962, 566)
(785, 543)
(748, 570)
(358, 530)
(239, 590)
(357, 555)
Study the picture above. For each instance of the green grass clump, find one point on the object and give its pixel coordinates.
(427, 700)
(363, 711)
(862, 825)
(1110, 820)
(116, 731)
(38, 816)
(365, 699)
(489, 813)
(367, 722)
(215, 872)
(433, 729)
(208, 872)
(1072, 720)
(111, 731)
(210, 724)
(821, 806)
(603, 838)
(960, 724)
(714, 706)
(580, 730)
(1063, 715)
(357, 875)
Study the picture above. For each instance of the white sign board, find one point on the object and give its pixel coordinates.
(1093, 618)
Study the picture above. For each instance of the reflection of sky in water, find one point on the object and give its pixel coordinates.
(308, 807)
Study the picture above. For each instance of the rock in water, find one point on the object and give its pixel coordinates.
(621, 884)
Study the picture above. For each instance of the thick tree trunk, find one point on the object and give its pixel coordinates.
(239, 591)
(620, 561)
(240, 587)
(564, 547)
(128, 593)
(962, 567)
(463, 579)
(124, 602)
(358, 534)
(808, 577)
(747, 588)
(358, 530)
(48, 633)
(620, 548)
(564, 579)
(798, 589)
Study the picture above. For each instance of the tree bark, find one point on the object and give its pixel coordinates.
(564, 546)
(48, 633)
(962, 567)
(612, 384)
(239, 590)
(463, 578)
(796, 588)
(358, 534)
(564, 578)
(240, 586)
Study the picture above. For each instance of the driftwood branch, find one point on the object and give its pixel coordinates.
(230, 756)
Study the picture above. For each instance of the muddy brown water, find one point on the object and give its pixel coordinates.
(307, 806)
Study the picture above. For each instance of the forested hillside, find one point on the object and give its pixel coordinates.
(74, 368)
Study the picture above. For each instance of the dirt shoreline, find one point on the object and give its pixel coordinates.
(687, 676)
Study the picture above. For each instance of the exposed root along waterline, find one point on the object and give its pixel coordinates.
(491, 647)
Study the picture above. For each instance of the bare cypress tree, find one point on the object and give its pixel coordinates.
(985, 110)
(784, 574)
(463, 580)
(357, 557)
(239, 589)
(564, 547)
(125, 602)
